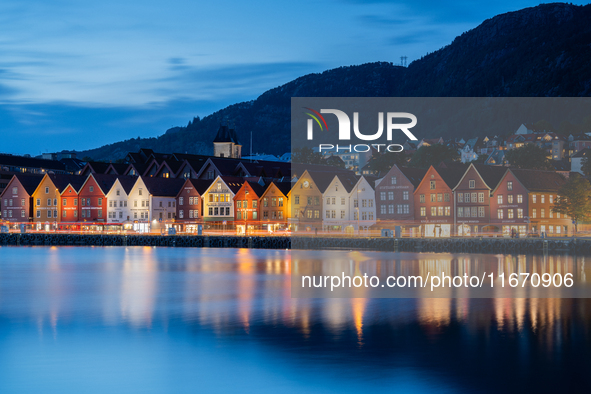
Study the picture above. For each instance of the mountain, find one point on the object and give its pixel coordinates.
(535, 52)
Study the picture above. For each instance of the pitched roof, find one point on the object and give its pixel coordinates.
(414, 175)
(105, 181)
(61, 181)
(322, 179)
(451, 176)
(201, 185)
(163, 187)
(29, 181)
(127, 182)
(537, 180)
(98, 167)
(257, 188)
(491, 175)
(233, 182)
(284, 187)
(119, 168)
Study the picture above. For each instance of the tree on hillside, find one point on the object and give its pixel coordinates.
(432, 155)
(574, 199)
(530, 157)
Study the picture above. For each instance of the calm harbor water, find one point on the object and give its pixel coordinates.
(175, 320)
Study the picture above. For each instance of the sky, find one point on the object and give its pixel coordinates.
(77, 74)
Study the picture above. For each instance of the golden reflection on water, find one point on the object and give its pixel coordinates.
(244, 288)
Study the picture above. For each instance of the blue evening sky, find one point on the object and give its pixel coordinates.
(80, 74)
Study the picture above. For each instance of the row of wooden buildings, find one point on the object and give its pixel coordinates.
(441, 201)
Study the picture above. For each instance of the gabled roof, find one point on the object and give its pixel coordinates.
(97, 167)
(104, 181)
(322, 179)
(257, 188)
(539, 181)
(201, 185)
(163, 187)
(116, 168)
(284, 187)
(414, 175)
(234, 183)
(29, 181)
(348, 180)
(451, 176)
(127, 182)
(491, 175)
(61, 181)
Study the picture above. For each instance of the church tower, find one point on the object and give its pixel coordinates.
(226, 144)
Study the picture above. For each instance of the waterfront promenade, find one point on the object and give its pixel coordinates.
(441, 245)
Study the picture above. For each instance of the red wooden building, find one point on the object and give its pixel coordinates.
(92, 196)
(395, 197)
(433, 200)
(189, 205)
(17, 204)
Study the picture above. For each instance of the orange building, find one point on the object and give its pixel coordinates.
(46, 207)
(275, 207)
(247, 207)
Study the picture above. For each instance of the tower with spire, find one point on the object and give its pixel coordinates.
(226, 143)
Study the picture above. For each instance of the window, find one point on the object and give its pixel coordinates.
(48, 213)
(446, 197)
(466, 197)
(255, 215)
(364, 203)
(49, 202)
(534, 213)
(139, 192)
(520, 213)
(499, 213)
(423, 211)
(433, 211)
(355, 203)
(100, 213)
(509, 185)
(390, 196)
(439, 197)
(342, 200)
(447, 211)
(542, 198)
(118, 192)
(46, 190)
(440, 211)
(460, 212)
(460, 197)
(405, 195)
(14, 190)
(432, 185)
(38, 201)
(55, 202)
(474, 211)
(75, 202)
(509, 214)
(510, 199)
(500, 199)
(255, 203)
(181, 201)
(551, 199)
(480, 212)
(393, 180)
(22, 202)
(279, 202)
(480, 197)
(519, 198)
(382, 210)
(474, 197)
(100, 202)
(64, 202)
(422, 198)
(317, 201)
(391, 208)
(38, 214)
(23, 213)
(533, 198)
(433, 197)
(542, 213)
(471, 183)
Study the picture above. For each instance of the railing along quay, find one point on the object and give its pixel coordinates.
(441, 245)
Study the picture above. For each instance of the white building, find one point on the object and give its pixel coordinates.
(118, 199)
(218, 199)
(349, 205)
